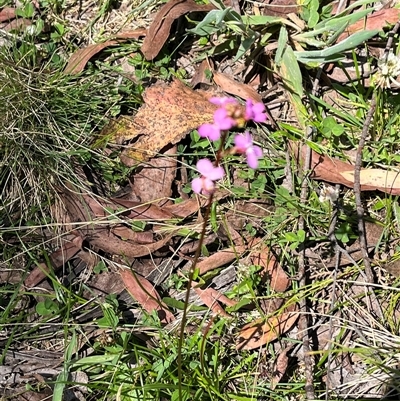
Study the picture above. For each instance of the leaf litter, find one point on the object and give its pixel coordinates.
(169, 113)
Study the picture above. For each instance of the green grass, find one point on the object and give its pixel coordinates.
(49, 122)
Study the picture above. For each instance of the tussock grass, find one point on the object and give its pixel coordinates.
(46, 129)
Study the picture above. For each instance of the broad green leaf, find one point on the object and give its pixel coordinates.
(245, 45)
(282, 43)
(266, 20)
(350, 43)
(333, 53)
(313, 19)
(336, 34)
(290, 71)
(309, 41)
(211, 23)
(333, 23)
(59, 386)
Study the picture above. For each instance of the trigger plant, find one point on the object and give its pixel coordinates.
(229, 115)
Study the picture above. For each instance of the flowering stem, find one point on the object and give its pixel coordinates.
(193, 268)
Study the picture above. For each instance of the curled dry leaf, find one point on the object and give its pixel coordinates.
(67, 251)
(159, 30)
(146, 295)
(7, 13)
(81, 57)
(280, 8)
(280, 366)
(220, 258)
(154, 181)
(124, 232)
(16, 25)
(170, 112)
(105, 240)
(271, 270)
(384, 180)
(339, 172)
(261, 332)
(139, 211)
(236, 88)
(212, 299)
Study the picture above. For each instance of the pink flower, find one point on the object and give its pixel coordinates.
(223, 120)
(209, 173)
(211, 131)
(255, 111)
(223, 101)
(244, 145)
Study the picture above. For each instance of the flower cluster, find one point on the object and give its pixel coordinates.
(388, 70)
(230, 114)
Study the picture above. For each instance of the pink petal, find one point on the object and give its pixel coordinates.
(222, 119)
(210, 131)
(197, 185)
(204, 166)
(222, 101)
(216, 174)
(252, 160)
(208, 186)
(252, 156)
(242, 142)
(257, 151)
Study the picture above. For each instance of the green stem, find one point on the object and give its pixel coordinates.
(193, 269)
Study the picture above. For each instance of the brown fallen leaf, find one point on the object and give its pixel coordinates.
(212, 298)
(220, 258)
(199, 76)
(80, 58)
(170, 112)
(104, 239)
(374, 177)
(7, 13)
(124, 232)
(280, 366)
(328, 169)
(145, 294)
(154, 181)
(261, 332)
(159, 29)
(280, 8)
(192, 205)
(139, 211)
(16, 25)
(271, 270)
(134, 210)
(236, 88)
(378, 20)
(67, 251)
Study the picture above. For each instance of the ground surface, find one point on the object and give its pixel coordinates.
(118, 282)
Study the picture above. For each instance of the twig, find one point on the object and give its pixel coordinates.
(359, 207)
(303, 322)
(391, 37)
(357, 192)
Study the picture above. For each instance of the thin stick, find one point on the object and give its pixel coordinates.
(357, 192)
(303, 322)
